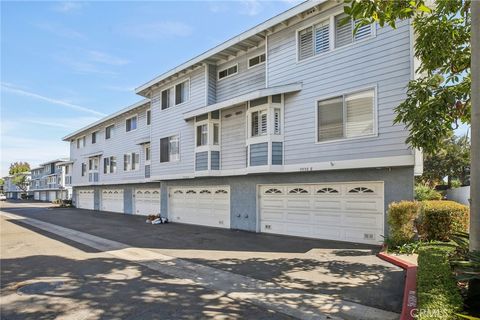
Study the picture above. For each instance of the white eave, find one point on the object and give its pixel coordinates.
(107, 118)
(93, 154)
(265, 92)
(242, 40)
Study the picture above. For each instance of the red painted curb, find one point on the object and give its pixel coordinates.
(409, 305)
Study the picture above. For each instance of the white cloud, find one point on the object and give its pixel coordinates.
(34, 151)
(251, 7)
(60, 30)
(63, 123)
(217, 6)
(9, 88)
(68, 6)
(105, 58)
(82, 66)
(158, 30)
(121, 88)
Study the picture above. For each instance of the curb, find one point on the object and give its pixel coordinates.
(409, 305)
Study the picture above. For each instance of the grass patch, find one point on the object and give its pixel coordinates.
(437, 291)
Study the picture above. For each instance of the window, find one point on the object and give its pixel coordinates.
(305, 43)
(80, 142)
(109, 131)
(276, 121)
(149, 117)
(94, 137)
(230, 71)
(84, 169)
(181, 92)
(166, 99)
(131, 161)
(344, 31)
(93, 164)
(347, 116)
(259, 123)
(252, 62)
(109, 165)
(113, 164)
(258, 102)
(106, 165)
(147, 153)
(67, 169)
(131, 124)
(216, 133)
(202, 135)
(169, 149)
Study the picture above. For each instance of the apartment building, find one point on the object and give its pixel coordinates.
(11, 190)
(52, 180)
(286, 128)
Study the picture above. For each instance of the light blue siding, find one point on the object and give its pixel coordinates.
(259, 154)
(201, 161)
(233, 127)
(244, 81)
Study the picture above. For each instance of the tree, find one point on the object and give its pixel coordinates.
(442, 96)
(450, 160)
(21, 181)
(19, 167)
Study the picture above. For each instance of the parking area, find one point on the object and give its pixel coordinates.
(349, 271)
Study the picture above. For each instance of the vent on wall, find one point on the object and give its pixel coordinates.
(368, 236)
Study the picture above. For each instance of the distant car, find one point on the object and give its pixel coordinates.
(3, 197)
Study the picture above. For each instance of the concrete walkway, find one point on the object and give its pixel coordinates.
(296, 303)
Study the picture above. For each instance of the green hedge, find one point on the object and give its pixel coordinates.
(438, 220)
(437, 292)
(423, 192)
(401, 219)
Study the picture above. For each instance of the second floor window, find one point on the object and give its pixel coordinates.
(94, 137)
(347, 116)
(230, 71)
(149, 117)
(93, 164)
(181, 92)
(257, 60)
(169, 149)
(131, 161)
(84, 169)
(259, 123)
(109, 131)
(80, 142)
(202, 135)
(131, 124)
(109, 165)
(166, 99)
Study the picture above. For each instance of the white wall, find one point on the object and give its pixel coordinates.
(460, 195)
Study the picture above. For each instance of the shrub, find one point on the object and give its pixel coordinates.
(437, 292)
(401, 220)
(423, 192)
(438, 220)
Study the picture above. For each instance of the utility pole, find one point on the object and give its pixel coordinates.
(475, 122)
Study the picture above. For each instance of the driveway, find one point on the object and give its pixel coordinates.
(348, 271)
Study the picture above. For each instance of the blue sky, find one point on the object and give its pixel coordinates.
(65, 64)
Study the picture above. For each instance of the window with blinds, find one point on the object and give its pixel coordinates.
(169, 149)
(305, 43)
(322, 37)
(259, 123)
(276, 121)
(346, 116)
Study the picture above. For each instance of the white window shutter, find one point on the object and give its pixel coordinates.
(276, 125)
(363, 32)
(322, 41)
(254, 122)
(343, 32)
(305, 43)
(263, 124)
(359, 113)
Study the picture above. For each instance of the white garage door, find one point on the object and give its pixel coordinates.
(52, 195)
(207, 206)
(147, 201)
(85, 199)
(338, 211)
(36, 195)
(43, 196)
(112, 200)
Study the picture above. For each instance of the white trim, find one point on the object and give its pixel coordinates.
(260, 93)
(226, 68)
(266, 61)
(383, 162)
(342, 95)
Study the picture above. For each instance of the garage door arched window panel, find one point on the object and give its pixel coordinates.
(205, 192)
(361, 190)
(327, 190)
(191, 192)
(178, 192)
(273, 191)
(221, 191)
(298, 191)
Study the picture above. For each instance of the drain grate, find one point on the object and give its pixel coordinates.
(39, 287)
